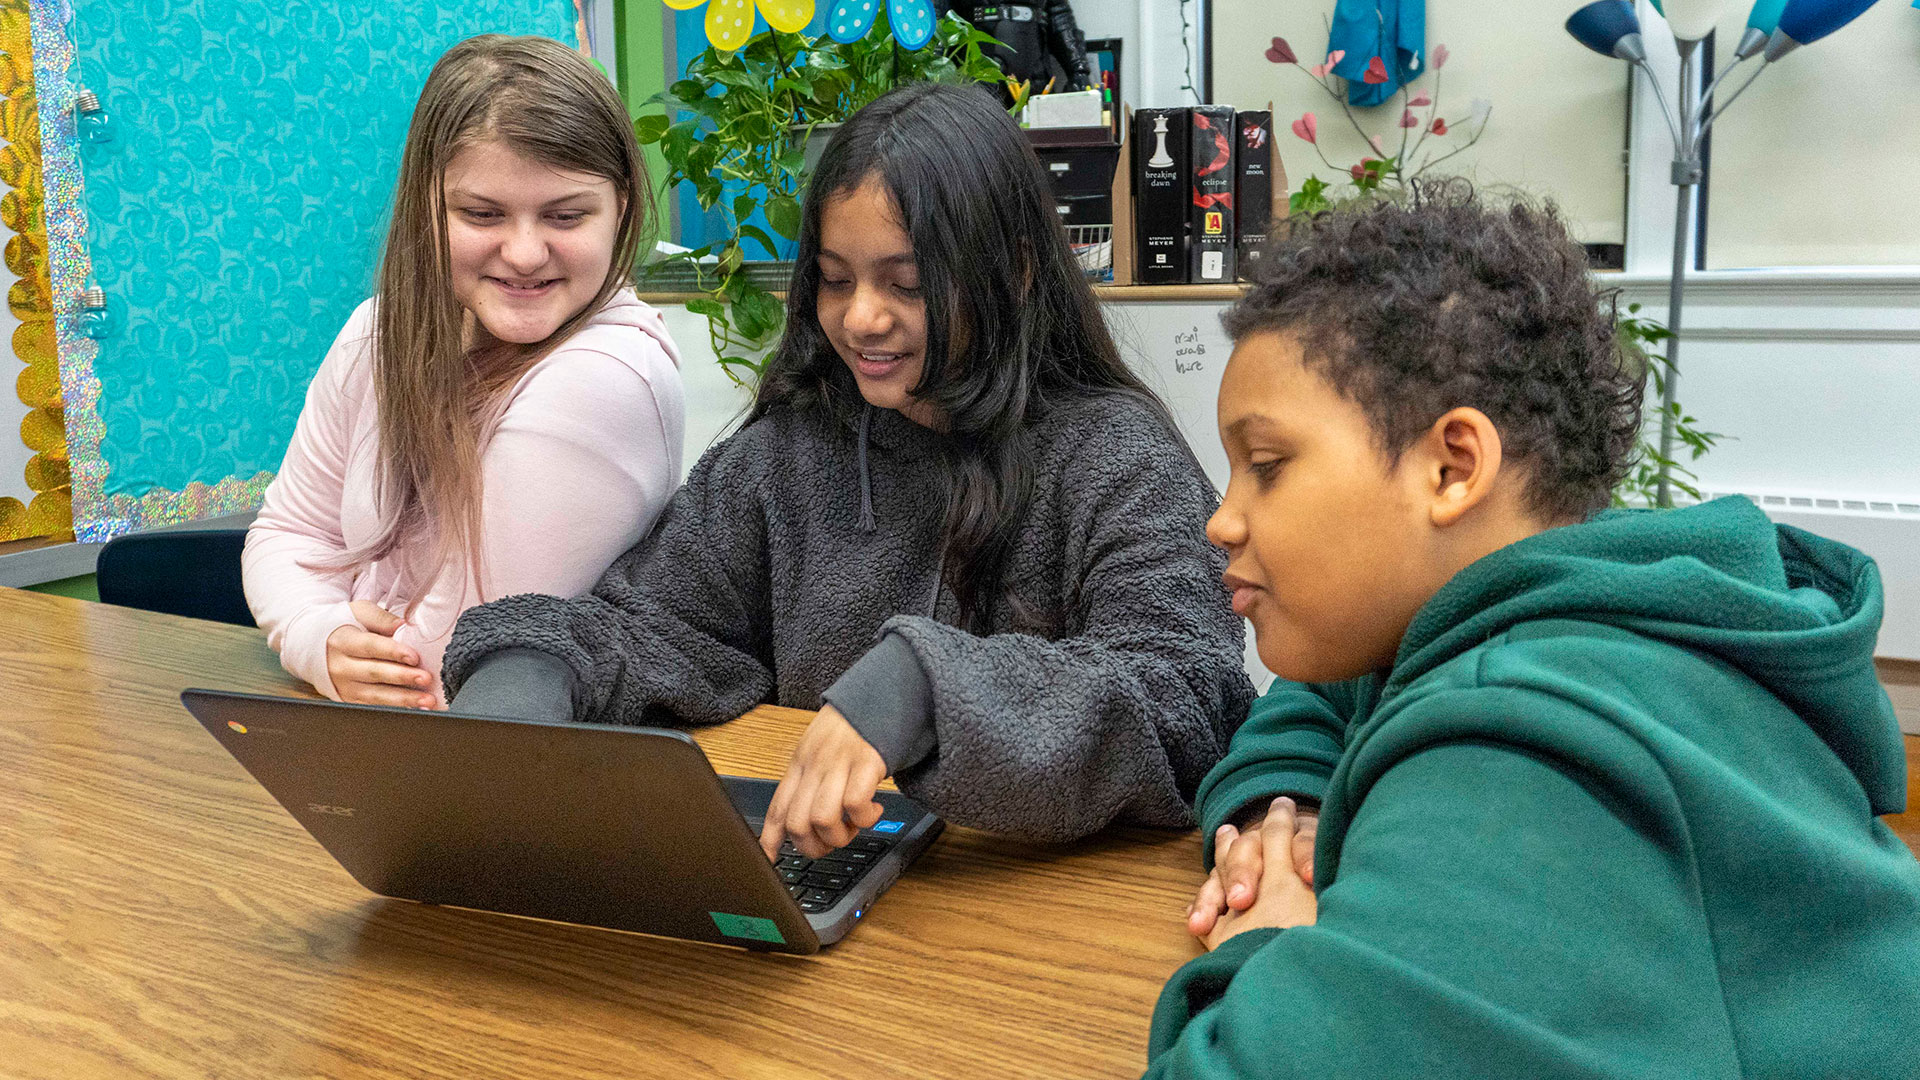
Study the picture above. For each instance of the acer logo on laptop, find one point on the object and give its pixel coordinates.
(336, 811)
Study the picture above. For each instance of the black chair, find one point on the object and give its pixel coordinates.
(191, 573)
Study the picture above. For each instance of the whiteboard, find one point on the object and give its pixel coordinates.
(1180, 351)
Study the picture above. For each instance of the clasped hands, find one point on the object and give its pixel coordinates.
(1262, 876)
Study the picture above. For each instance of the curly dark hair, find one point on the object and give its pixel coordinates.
(1444, 300)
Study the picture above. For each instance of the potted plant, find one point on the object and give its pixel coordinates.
(1640, 341)
(748, 123)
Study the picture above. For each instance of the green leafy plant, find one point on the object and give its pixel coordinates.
(1641, 340)
(739, 121)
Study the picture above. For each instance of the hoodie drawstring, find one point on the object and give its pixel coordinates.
(866, 480)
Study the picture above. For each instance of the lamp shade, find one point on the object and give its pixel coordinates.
(1692, 20)
(1600, 25)
(1765, 15)
(1807, 21)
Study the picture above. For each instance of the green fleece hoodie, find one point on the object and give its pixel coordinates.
(1610, 814)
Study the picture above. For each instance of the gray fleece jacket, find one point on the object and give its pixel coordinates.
(802, 562)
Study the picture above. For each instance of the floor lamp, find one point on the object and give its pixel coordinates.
(1774, 29)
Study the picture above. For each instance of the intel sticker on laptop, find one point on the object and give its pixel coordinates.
(747, 926)
(888, 825)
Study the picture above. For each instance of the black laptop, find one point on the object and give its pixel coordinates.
(622, 827)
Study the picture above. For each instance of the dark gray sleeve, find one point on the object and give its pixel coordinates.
(518, 684)
(1053, 739)
(676, 630)
(888, 699)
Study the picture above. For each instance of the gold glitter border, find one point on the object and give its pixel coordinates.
(23, 212)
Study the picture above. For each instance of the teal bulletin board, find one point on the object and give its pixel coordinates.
(233, 215)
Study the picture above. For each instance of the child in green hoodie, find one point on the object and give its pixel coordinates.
(1553, 794)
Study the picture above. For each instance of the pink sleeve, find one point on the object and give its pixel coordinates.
(300, 520)
(581, 465)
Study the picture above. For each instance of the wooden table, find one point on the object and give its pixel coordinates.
(1907, 825)
(161, 916)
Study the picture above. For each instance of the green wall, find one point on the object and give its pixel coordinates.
(640, 53)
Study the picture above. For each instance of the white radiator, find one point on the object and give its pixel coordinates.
(1888, 529)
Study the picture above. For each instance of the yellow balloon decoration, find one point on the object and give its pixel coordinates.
(787, 16)
(730, 22)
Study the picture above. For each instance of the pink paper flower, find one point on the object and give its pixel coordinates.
(1379, 145)
(1439, 126)
(1307, 128)
(1408, 120)
(1359, 172)
(1420, 99)
(1280, 52)
(1439, 58)
(1376, 72)
(1320, 71)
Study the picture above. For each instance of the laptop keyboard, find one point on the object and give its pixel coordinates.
(818, 884)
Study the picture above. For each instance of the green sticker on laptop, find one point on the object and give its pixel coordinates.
(747, 926)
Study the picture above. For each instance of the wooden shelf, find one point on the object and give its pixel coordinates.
(1172, 293)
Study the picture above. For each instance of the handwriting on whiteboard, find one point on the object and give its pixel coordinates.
(1187, 351)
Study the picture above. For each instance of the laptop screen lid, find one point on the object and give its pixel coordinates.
(621, 827)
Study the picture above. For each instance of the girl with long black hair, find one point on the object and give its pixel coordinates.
(954, 522)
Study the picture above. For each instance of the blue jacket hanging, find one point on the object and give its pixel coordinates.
(1393, 30)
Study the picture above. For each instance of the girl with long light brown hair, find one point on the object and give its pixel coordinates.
(504, 416)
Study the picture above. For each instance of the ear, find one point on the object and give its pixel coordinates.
(1462, 463)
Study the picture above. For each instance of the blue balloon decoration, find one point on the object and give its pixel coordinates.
(912, 20)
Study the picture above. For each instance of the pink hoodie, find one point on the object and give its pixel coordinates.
(579, 465)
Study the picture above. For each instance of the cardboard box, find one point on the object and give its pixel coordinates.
(1211, 250)
(1121, 261)
(1080, 108)
(1162, 196)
